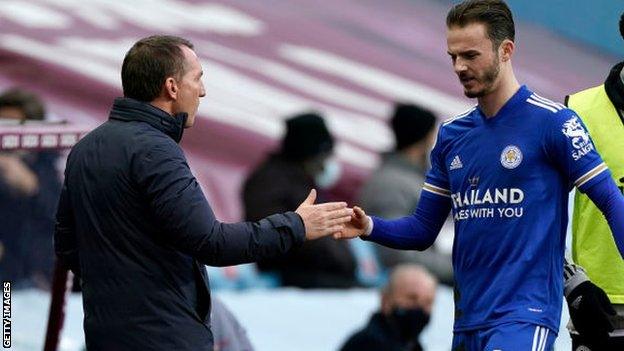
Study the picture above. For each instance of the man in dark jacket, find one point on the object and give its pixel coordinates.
(406, 304)
(134, 224)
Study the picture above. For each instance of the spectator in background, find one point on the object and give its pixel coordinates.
(29, 189)
(393, 190)
(406, 304)
(305, 161)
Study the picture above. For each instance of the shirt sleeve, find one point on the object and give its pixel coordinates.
(437, 181)
(569, 145)
(415, 232)
(189, 224)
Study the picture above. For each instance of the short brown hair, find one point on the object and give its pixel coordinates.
(149, 62)
(495, 14)
(29, 103)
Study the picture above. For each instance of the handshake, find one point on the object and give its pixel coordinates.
(331, 218)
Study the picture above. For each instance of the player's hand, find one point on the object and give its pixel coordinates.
(358, 225)
(322, 219)
(590, 309)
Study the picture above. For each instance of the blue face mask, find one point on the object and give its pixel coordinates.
(330, 175)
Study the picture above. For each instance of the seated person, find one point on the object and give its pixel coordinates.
(393, 189)
(406, 304)
(305, 161)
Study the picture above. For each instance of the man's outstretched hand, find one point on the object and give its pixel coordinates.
(358, 225)
(323, 219)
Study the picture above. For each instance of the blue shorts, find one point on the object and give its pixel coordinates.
(514, 336)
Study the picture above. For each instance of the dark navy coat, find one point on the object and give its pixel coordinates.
(134, 224)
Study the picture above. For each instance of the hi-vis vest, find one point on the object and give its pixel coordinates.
(593, 246)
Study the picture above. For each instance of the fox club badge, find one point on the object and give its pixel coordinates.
(511, 157)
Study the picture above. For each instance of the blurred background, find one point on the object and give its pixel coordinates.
(265, 61)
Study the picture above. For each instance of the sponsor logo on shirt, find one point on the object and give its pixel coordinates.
(578, 136)
(511, 157)
(479, 203)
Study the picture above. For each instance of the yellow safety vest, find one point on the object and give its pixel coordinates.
(593, 246)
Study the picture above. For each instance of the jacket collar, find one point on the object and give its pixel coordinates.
(614, 87)
(126, 109)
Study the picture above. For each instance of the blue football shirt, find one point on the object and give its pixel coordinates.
(508, 179)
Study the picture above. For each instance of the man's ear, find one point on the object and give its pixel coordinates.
(506, 50)
(171, 88)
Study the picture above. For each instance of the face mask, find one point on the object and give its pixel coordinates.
(330, 174)
(410, 321)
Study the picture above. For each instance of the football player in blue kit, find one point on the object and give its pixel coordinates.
(504, 168)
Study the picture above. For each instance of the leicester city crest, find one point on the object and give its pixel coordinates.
(511, 157)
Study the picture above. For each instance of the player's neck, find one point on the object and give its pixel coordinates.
(491, 103)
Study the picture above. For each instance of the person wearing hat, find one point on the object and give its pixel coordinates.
(304, 161)
(393, 189)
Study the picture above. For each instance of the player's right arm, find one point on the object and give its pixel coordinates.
(419, 230)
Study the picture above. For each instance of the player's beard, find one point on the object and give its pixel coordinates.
(487, 80)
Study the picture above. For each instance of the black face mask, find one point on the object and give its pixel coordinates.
(410, 322)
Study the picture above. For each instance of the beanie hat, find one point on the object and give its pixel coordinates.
(306, 136)
(411, 124)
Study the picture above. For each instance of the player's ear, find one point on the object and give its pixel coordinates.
(505, 50)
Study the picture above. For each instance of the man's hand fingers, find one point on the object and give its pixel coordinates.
(339, 220)
(311, 198)
(334, 229)
(359, 213)
(345, 212)
(331, 206)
